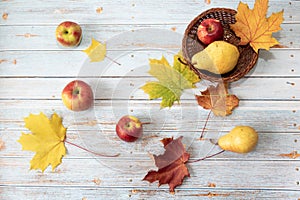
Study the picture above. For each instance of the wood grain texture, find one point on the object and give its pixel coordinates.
(127, 88)
(124, 12)
(43, 37)
(234, 174)
(284, 115)
(282, 144)
(34, 69)
(24, 64)
(95, 193)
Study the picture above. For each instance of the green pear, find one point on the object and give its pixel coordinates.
(218, 57)
(241, 139)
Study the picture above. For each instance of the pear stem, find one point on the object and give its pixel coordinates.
(87, 150)
(200, 159)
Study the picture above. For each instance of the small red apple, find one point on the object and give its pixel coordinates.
(129, 128)
(77, 96)
(210, 30)
(68, 34)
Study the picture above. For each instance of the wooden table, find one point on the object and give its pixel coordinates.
(34, 70)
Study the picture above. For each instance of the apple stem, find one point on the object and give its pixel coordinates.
(87, 150)
(207, 118)
(200, 159)
(113, 60)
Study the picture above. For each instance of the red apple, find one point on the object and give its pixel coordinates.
(210, 30)
(129, 128)
(68, 34)
(77, 96)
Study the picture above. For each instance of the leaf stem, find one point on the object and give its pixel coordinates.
(87, 150)
(113, 60)
(207, 118)
(200, 159)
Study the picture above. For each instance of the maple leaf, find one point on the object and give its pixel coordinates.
(171, 164)
(46, 139)
(253, 27)
(96, 51)
(171, 80)
(218, 100)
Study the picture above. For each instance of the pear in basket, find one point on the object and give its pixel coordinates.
(219, 57)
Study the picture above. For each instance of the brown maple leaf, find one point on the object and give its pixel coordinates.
(171, 164)
(218, 100)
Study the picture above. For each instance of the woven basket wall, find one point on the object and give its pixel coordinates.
(192, 45)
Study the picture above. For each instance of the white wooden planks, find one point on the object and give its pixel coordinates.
(95, 193)
(276, 138)
(124, 12)
(60, 64)
(43, 37)
(128, 88)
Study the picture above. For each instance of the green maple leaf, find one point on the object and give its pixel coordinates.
(171, 80)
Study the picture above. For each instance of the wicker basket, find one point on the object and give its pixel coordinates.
(192, 45)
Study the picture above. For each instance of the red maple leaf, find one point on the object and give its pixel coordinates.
(171, 164)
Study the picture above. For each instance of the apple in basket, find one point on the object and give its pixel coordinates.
(77, 96)
(210, 30)
(68, 34)
(129, 128)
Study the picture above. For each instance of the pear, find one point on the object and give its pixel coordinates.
(241, 139)
(218, 57)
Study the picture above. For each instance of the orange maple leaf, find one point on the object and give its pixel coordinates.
(253, 27)
(218, 100)
(171, 164)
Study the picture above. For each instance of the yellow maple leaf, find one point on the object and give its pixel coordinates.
(253, 27)
(96, 51)
(46, 139)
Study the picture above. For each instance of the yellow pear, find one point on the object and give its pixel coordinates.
(241, 139)
(218, 57)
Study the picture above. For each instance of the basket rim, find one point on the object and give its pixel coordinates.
(218, 77)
